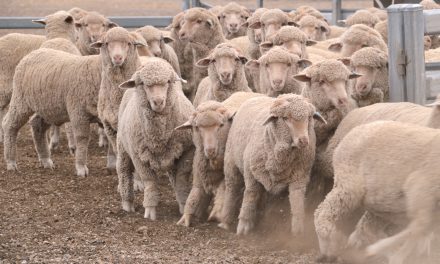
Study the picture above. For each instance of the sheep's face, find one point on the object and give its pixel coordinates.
(157, 95)
(278, 73)
(118, 51)
(364, 83)
(315, 32)
(336, 92)
(427, 42)
(347, 49)
(299, 131)
(270, 27)
(91, 27)
(233, 20)
(195, 28)
(258, 35)
(156, 45)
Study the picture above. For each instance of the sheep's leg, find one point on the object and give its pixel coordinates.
(182, 178)
(111, 158)
(103, 141)
(81, 129)
(16, 117)
(70, 138)
(54, 137)
(111, 147)
(3, 111)
(151, 192)
(39, 134)
(124, 167)
(369, 229)
(219, 198)
(138, 184)
(340, 202)
(297, 199)
(248, 211)
(193, 203)
(232, 197)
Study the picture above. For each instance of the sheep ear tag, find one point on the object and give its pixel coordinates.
(319, 117)
(271, 118)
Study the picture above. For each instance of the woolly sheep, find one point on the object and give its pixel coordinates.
(316, 29)
(271, 21)
(302, 11)
(380, 13)
(254, 35)
(225, 74)
(271, 146)
(65, 91)
(210, 124)
(357, 37)
(336, 32)
(276, 72)
(146, 139)
(403, 191)
(158, 45)
(120, 61)
(429, 4)
(382, 28)
(372, 87)
(77, 13)
(364, 17)
(232, 18)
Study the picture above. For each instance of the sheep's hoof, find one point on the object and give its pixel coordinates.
(111, 162)
(128, 206)
(214, 216)
(150, 213)
(53, 145)
(72, 150)
(185, 220)
(244, 227)
(47, 163)
(11, 166)
(224, 226)
(138, 185)
(326, 259)
(103, 143)
(82, 170)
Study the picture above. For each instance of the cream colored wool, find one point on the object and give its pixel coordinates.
(254, 40)
(362, 17)
(380, 13)
(240, 15)
(321, 27)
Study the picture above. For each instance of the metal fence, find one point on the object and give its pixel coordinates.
(411, 79)
(337, 13)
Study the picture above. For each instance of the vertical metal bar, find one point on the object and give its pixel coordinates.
(396, 54)
(336, 11)
(413, 22)
(260, 3)
(186, 4)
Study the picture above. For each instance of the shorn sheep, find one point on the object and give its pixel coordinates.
(232, 18)
(271, 146)
(406, 190)
(147, 139)
(210, 124)
(65, 91)
(225, 74)
(276, 70)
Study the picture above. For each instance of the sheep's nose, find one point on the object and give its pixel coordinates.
(157, 53)
(210, 152)
(117, 58)
(225, 75)
(182, 35)
(158, 101)
(277, 83)
(233, 25)
(362, 87)
(303, 141)
(342, 101)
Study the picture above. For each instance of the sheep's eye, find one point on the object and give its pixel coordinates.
(106, 43)
(262, 24)
(284, 118)
(237, 59)
(213, 61)
(199, 21)
(169, 81)
(221, 125)
(86, 25)
(321, 82)
(267, 65)
(364, 46)
(289, 64)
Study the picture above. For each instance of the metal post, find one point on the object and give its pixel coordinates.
(414, 47)
(396, 54)
(260, 3)
(186, 4)
(336, 11)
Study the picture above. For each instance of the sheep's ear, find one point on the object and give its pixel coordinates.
(139, 43)
(185, 125)
(346, 61)
(310, 42)
(302, 77)
(303, 63)
(342, 22)
(319, 117)
(324, 29)
(167, 39)
(336, 47)
(231, 114)
(271, 118)
(245, 24)
(96, 45)
(243, 59)
(266, 45)
(112, 24)
(292, 23)
(210, 22)
(255, 25)
(78, 25)
(68, 20)
(128, 84)
(252, 64)
(203, 62)
(354, 75)
(39, 21)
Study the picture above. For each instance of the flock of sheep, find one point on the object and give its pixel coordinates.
(230, 105)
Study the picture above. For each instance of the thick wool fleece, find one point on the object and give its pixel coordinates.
(280, 55)
(382, 28)
(84, 41)
(110, 95)
(211, 88)
(150, 33)
(234, 8)
(147, 140)
(312, 21)
(254, 47)
(361, 34)
(77, 13)
(362, 17)
(262, 156)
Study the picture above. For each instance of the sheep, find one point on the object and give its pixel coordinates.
(271, 146)
(119, 63)
(276, 72)
(225, 74)
(429, 4)
(90, 28)
(210, 124)
(372, 87)
(77, 13)
(232, 18)
(65, 91)
(254, 35)
(364, 17)
(335, 32)
(158, 45)
(302, 11)
(380, 13)
(146, 139)
(316, 29)
(184, 54)
(357, 37)
(271, 21)
(395, 193)
(382, 28)
(13, 47)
